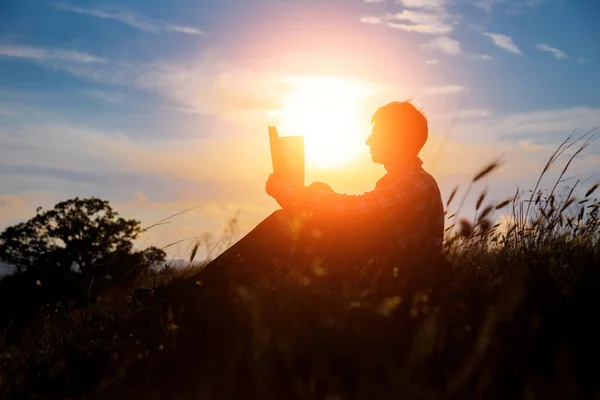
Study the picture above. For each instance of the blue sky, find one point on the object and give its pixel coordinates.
(162, 106)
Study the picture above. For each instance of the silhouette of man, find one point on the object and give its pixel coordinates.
(402, 219)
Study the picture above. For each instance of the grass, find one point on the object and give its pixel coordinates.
(516, 320)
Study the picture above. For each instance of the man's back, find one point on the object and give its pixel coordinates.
(417, 223)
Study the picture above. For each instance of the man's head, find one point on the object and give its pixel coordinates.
(399, 132)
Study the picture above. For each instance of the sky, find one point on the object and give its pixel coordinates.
(162, 107)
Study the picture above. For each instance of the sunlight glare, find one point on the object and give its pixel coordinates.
(327, 112)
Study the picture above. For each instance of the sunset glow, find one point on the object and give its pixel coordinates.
(161, 107)
(327, 111)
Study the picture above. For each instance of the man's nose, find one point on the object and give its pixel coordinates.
(368, 142)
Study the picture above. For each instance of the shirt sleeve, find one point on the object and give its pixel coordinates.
(399, 194)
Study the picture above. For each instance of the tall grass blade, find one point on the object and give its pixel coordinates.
(486, 171)
(592, 190)
(194, 250)
(481, 198)
(452, 194)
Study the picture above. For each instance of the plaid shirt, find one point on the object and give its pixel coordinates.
(406, 201)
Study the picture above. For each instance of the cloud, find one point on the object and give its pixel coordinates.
(527, 145)
(476, 113)
(208, 86)
(468, 113)
(61, 160)
(134, 20)
(432, 62)
(210, 89)
(42, 54)
(72, 152)
(443, 44)
(109, 97)
(517, 7)
(418, 21)
(14, 208)
(458, 160)
(487, 5)
(444, 90)
(503, 41)
(9, 200)
(480, 57)
(524, 140)
(543, 125)
(372, 20)
(50, 145)
(76, 175)
(430, 4)
(184, 29)
(446, 45)
(513, 6)
(553, 50)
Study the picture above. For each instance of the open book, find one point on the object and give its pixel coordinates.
(287, 156)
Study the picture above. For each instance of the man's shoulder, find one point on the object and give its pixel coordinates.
(416, 177)
(423, 175)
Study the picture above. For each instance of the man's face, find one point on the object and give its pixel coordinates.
(380, 144)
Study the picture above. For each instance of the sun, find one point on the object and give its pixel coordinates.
(327, 112)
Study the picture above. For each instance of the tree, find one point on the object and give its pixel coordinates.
(81, 235)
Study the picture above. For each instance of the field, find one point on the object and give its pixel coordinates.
(515, 320)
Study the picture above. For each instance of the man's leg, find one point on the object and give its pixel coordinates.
(348, 248)
(277, 239)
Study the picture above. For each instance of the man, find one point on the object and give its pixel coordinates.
(400, 221)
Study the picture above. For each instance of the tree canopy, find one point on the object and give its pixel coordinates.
(81, 235)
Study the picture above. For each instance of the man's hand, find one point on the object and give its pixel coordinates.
(274, 185)
(282, 191)
(320, 186)
(279, 189)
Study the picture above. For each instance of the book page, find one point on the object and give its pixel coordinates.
(287, 156)
(276, 157)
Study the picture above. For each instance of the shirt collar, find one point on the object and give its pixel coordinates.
(399, 169)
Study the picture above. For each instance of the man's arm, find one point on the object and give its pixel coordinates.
(401, 194)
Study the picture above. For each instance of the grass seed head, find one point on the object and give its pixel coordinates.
(485, 212)
(504, 203)
(465, 229)
(591, 190)
(452, 195)
(486, 171)
(481, 198)
(567, 204)
(484, 225)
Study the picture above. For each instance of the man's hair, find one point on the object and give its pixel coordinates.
(406, 125)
